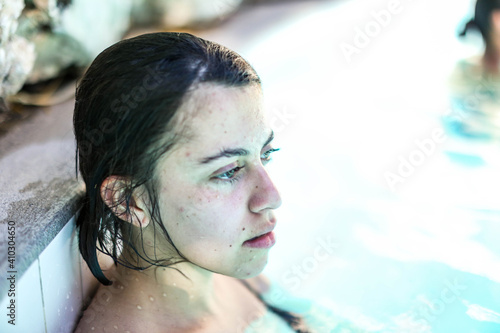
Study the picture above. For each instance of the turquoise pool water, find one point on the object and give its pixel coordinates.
(388, 219)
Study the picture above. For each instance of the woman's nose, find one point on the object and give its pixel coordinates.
(265, 195)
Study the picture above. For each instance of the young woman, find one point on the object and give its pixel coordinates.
(172, 145)
(475, 82)
(487, 21)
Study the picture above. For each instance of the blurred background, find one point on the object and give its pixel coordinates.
(390, 217)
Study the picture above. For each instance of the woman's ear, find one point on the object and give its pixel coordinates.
(114, 195)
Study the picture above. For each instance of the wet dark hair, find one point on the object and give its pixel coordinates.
(123, 122)
(124, 108)
(482, 18)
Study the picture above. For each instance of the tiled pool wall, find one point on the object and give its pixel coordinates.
(51, 293)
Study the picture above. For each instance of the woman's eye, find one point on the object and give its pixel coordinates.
(266, 157)
(229, 175)
(232, 175)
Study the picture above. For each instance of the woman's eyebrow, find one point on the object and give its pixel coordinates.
(228, 152)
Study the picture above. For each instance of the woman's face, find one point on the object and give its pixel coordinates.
(495, 26)
(215, 193)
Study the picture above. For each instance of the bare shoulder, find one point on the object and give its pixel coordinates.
(108, 312)
(93, 321)
(259, 283)
(101, 320)
(104, 315)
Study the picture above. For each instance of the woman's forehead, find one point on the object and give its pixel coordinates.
(215, 112)
(216, 118)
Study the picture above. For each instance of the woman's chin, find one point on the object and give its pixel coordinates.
(250, 269)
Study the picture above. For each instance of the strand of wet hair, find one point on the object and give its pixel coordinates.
(469, 25)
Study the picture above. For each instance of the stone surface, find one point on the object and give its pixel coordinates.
(187, 13)
(10, 10)
(96, 32)
(17, 54)
(195, 12)
(17, 57)
(56, 52)
(40, 192)
(39, 42)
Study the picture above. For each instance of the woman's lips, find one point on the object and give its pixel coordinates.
(264, 241)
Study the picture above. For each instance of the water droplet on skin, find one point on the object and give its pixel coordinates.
(115, 327)
(121, 287)
(71, 309)
(253, 257)
(139, 307)
(238, 270)
(151, 298)
(174, 284)
(93, 328)
(164, 295)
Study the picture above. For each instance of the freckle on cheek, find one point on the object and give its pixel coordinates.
(243, 229)
(257, 186)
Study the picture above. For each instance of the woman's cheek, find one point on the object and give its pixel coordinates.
(209, 214)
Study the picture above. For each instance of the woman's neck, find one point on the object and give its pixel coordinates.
(190, 295)
(491, 57)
